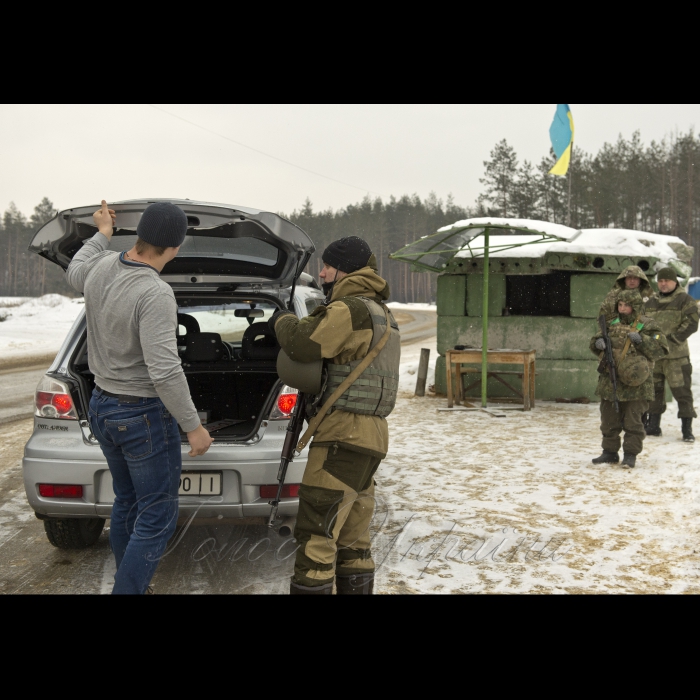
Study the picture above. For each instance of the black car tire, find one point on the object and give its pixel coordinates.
(73, 533)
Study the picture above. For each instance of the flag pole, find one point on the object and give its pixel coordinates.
(571, 167)
(485, 323)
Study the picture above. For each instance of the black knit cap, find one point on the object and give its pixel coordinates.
(347, 254)
(667, 273)
(162, 224)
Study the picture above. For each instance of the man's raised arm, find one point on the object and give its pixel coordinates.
(76, 273)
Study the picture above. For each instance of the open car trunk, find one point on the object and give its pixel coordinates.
(235, 265)
(241, 397)
(232, 398)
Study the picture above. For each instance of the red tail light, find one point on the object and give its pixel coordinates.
(287, 402)
(288, 491)
(62, 402)
(61, 490)
(53, 400)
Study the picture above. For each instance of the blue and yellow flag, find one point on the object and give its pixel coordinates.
(562, 134)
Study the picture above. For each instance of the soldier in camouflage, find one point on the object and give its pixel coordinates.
(336, 497)
(637, 343)
(677, 314)
(631, 277)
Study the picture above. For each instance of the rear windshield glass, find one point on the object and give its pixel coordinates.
(312, 303)
(246, 249)
(223, 320)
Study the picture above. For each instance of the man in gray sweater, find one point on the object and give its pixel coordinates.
(141, 392)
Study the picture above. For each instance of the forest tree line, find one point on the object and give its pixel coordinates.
(625, 185)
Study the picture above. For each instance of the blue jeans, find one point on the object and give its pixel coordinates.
(142, 445)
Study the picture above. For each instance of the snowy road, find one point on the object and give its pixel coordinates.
(416, 324)
(17, 388)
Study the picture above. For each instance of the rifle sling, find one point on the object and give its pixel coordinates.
(315, 422)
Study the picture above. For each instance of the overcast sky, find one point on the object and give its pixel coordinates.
(75, 155)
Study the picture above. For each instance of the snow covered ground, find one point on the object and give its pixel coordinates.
(472, 503)
(35, 327)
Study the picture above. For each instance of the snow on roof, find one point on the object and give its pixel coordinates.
(564, 232)
(606, 241)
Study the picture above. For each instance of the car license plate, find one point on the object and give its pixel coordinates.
(200, 484)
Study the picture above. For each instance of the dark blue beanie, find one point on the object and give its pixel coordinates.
(162, 224)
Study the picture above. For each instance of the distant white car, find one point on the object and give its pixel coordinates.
(236, 267)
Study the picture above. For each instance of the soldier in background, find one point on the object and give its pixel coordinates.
(637, 343)
(677, 314)
(631, 277)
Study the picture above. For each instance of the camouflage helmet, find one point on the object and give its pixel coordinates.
(634, 370)
(633, 271)
(633, 298)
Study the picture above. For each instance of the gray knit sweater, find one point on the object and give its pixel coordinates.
(132, 324)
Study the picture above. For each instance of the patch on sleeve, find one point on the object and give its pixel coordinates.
(359, 314)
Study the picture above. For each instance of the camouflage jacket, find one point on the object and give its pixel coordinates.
(653, 346)
(341, 332)
(609, 306)
(677, 314)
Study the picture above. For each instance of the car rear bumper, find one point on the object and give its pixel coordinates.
(240, 497)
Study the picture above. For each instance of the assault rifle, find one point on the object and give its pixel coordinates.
(609, 359)
(296, 423)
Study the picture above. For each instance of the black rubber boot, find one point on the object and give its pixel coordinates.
(687, 427)
(296, 589)
(607, 458)
(357, 584)
(653, 425)
(629, 461)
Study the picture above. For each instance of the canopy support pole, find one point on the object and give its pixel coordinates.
(485, 324)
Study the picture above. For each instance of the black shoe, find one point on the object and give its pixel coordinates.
(357, 584)
(607, 458)
(296, 589)
(687, 427)
(629, 461)
(653, 425)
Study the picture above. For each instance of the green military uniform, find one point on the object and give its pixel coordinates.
(634, 365)
(609, 306)
(677, 314)
(336, 497)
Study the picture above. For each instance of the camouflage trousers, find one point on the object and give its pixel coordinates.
(628, 419)
(336, 504)
(679, 375)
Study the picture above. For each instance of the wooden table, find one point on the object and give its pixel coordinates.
(526, 358)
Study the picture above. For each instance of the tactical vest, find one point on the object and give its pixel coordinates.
(670, 312)
(373, 393)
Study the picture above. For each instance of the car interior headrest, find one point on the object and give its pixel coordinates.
(205, 347)
(190, 323)
(259, 343)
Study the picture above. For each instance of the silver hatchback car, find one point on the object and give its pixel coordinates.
(236, 267)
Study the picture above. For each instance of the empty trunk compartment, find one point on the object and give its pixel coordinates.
(240, 391)
(241, 394)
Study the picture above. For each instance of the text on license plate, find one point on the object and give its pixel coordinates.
(200, 484)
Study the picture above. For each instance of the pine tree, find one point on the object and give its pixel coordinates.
(500, 180)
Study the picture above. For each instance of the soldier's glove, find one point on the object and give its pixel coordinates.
(636, 338)
(600, 344)
(273, 319)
